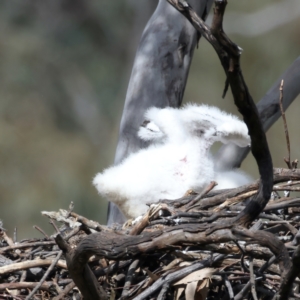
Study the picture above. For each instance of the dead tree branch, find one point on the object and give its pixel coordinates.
(231, 156)
(229, 54)
(286, 131)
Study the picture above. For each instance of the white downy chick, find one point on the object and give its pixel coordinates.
(177, 160)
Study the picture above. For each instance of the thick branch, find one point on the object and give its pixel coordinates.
(231, 156)
(81, 273)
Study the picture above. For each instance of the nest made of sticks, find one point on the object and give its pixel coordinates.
(164, 256)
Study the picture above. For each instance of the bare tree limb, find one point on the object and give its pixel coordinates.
(229, 54)
(230, 156)
(286, 131)
(81, 273)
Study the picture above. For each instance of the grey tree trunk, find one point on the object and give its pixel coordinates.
(158, 77)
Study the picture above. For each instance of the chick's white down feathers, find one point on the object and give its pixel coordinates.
(178, 158)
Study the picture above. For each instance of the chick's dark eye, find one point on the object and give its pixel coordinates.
(145, 123)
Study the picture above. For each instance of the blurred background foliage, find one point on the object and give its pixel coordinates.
(65, 66)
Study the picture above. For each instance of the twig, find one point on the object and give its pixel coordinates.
(24, 285)
(172, 277)
(129, 277)
(229, 287)
(252, 279)
(287, 160)
(163, 292)
(245, 268)
(29, 264)
(55, 283)
(72, 233)
(41, 231)
(235, 200)
(289, 278)
(55, 227)
(65, 292)
(266, 265)
(15, 234)
(8, 240)
(90, 224)
(198, 197)
(71, 208)
(139, 227)
(26, 245)
(54, 262)
(286, 202)
(243, 292)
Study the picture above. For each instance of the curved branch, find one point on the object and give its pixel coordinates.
(81, 273)
(230, 156)
(229, 54)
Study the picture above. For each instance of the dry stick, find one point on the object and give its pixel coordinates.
(41, 231)
(23, 276)
(229, 287)
(55, 283)
(243, 292)
(288, 184)
(288, 280)
(72, 233)
(54, 225)
(66, 291)
(200, 195)
(129, 278)
(292, 189)
(283, 204)
(216, 197)
(163, 292)
(252, 280)
(90, 224)
(234, 200)
(172, 277)
(269, 240)
(288, 160)
(267, 264)
(141, 225)
(45, 275)
(15, 234)
(245, 268)
(8, 240)
(29, 264)
(24, 285)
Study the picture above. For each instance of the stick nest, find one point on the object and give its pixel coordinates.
(169, 253)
